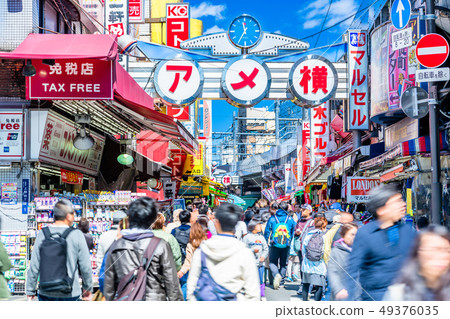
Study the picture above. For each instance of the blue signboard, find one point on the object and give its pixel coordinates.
(179, 204)
(25, 195)
(400, 13)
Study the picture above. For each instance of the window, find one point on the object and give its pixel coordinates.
(50, 18)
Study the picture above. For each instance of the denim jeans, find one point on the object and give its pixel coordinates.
(261, 274)
(183, 284)
(278, 256)
(45, 298)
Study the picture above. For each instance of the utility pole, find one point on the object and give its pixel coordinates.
(436, 189)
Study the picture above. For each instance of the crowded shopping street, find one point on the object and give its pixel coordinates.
(292, 152)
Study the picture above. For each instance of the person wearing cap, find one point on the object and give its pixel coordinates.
(256, 242)
(107, 239)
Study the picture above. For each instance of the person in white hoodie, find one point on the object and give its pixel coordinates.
(223, 263)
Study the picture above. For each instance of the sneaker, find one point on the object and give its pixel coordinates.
(277, 281)
(289, 279)
(296, 278)
(300, 291)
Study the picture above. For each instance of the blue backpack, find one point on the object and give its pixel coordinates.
(281, 237)
(208, 290)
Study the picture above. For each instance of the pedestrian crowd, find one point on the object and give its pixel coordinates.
(227, 254)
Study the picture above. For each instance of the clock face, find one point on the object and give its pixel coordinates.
(244, 31)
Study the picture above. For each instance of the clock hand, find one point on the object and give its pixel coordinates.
(241, 36)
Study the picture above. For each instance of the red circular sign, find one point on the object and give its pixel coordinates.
(432, 50)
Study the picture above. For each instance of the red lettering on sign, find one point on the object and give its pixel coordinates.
(319, 77)
(359, 57)
(179, 68)
(246, 80)
(357, 117)
(319, 112)
(357, 77)
(358, 97)
(306, 72)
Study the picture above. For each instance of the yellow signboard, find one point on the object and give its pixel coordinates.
(194, 164)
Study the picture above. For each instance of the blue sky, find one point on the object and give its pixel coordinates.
(295, 18)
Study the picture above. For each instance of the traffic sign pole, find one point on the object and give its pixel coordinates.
(436, 188)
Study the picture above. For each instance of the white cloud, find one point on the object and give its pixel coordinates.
(278, 32)
(214, 29)
(310, 24)
(316, 12)
(205, 9)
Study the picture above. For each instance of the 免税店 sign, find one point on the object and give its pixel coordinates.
(11, 137)
(84, 79)
(358, 188)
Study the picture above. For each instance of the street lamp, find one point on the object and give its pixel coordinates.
(28, 69)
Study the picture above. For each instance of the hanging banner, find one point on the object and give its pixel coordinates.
(177, 24)
(136, 11)
(402, 65)
(358, 76)
(358, 188)
(207, 120)
(320, 132)
(71, 177)
(194, 164)
(57, 146)
(11, 137)
(379, 68)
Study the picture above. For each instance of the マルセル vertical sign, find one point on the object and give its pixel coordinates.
(358, 78)
(177, 24)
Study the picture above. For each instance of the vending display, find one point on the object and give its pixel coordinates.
(16, 246)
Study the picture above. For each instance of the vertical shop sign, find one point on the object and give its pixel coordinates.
(25, 195)
(177, 24)
(378, 76)
(358, 78)
(306, 154)
(320, 132)
(180, 113)
(402, 65)
(136, 11)
(116, 17)
(11, 137)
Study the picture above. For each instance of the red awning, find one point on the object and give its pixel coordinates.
(65, 46)
(129, 93)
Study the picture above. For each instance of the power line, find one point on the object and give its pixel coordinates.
(323, 23)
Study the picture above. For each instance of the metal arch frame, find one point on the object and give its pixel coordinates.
(184, 102)
(231, 97)
(245, 46)
(312, 103)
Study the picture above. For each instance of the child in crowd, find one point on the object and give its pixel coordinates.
(256, 242)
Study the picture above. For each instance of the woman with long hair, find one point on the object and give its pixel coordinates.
(196, 236)
(426, 275)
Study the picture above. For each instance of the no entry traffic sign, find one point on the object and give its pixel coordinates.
(432, 50)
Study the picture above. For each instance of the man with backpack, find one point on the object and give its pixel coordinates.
(182, 232)
(60, 256)
(140, 266)
(223, 268)
(279, 233)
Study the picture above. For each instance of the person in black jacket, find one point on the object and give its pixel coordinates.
(127, 252)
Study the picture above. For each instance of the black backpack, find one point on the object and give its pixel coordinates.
(132, 286)
(53, 263)
(314, 249)
(182, 237)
